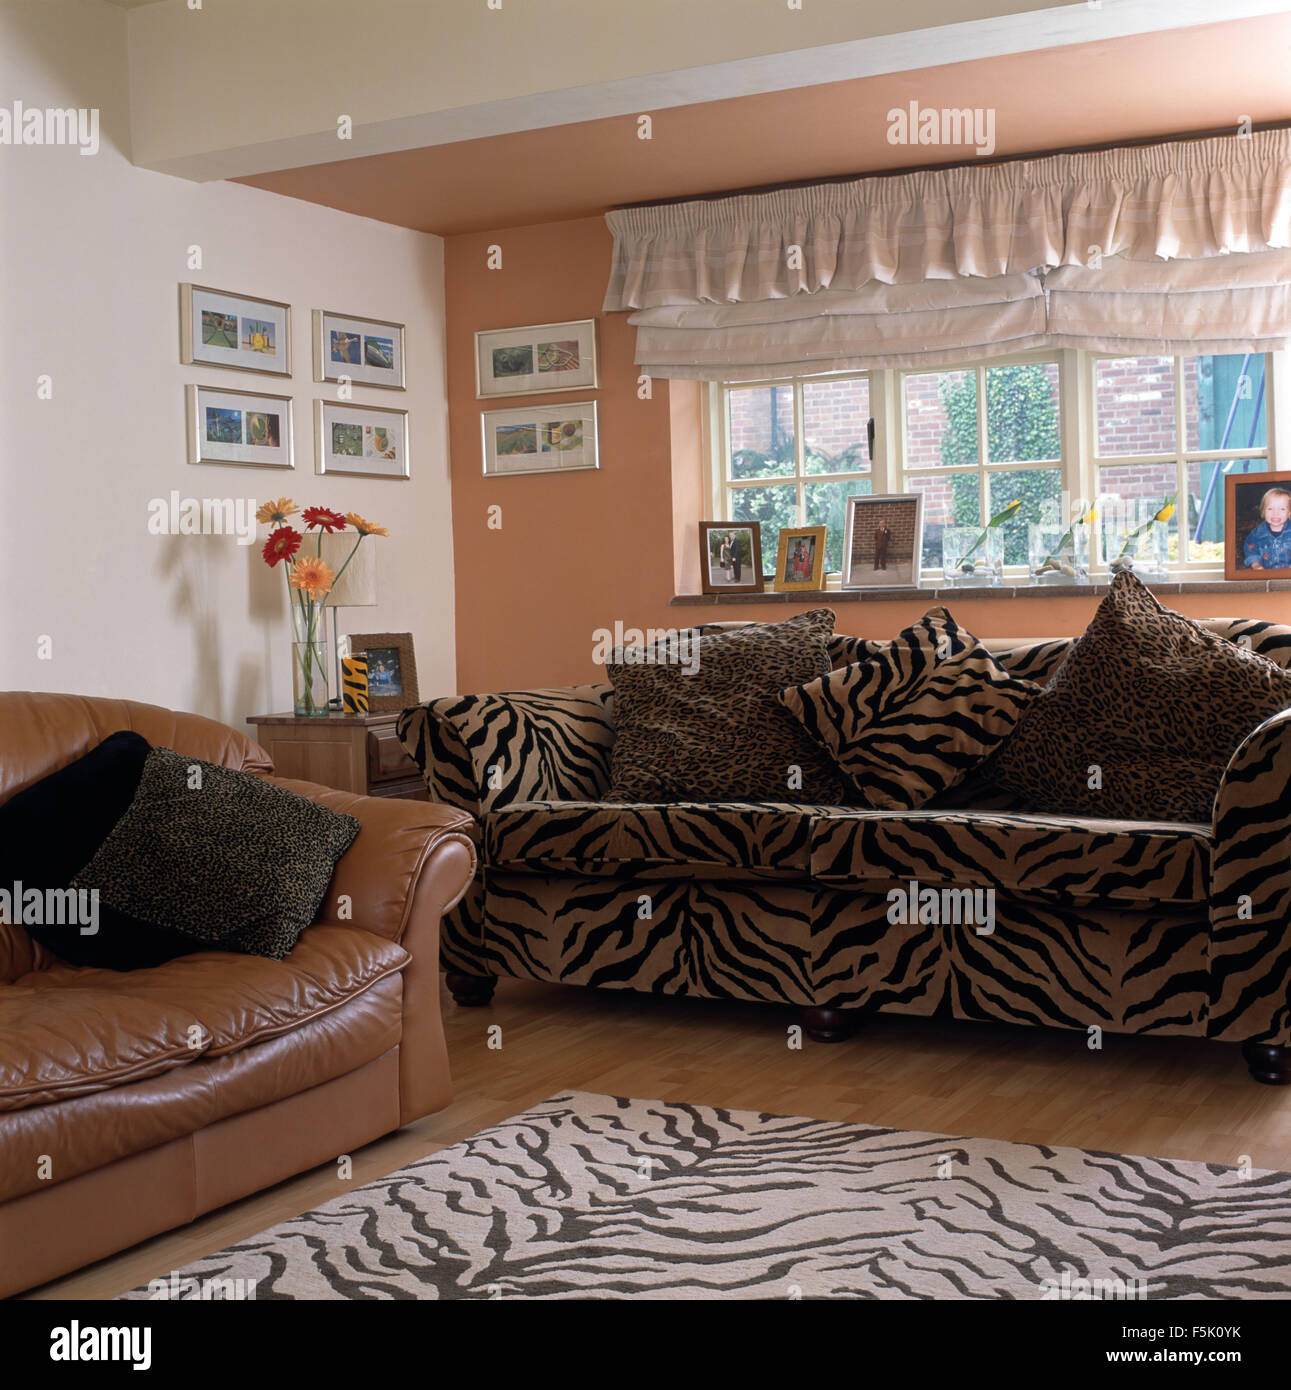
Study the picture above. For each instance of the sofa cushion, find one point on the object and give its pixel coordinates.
(1142, 717)
(66, 1031)
(223, 857)
(594, 838)
(715, 731)
(910, 722)
(52, 828)
(1063, 858)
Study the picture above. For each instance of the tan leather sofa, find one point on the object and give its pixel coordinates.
(113, 1126)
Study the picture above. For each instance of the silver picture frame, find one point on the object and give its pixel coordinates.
(862, 567)
(362, 465)
(538, 341)
(363, 372)
(533, 446)
(195, 349)
(202, 449)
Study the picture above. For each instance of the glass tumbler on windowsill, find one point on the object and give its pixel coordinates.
(972, 557)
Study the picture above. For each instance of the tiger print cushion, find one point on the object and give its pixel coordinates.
(910, 723)
(481, 751)
(1142, 717)
(718, 733)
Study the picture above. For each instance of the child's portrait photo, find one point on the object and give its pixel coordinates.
(1258, 512)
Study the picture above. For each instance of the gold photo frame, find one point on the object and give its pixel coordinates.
(800, 559)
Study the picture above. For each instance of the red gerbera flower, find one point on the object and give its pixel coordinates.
(281, 545)
(324, 518)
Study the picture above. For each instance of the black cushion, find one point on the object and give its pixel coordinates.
(52, 829)
(224, 857)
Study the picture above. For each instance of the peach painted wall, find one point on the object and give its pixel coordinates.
(580, 551)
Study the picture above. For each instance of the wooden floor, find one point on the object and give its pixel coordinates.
(1168, 1097)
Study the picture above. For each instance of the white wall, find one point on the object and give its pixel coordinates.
(92, 251)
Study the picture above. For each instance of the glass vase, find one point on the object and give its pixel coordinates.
(971, 559)
(1147, 554)
(309, 677)
(1056, 557)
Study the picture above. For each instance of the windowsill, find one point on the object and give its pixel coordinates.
(1006, 590)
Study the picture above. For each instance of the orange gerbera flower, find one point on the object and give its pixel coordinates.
(277, 511)
(312, 575)
(324, 518)
(365, 528)
(281, 545)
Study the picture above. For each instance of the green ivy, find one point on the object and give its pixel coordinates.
(1021, 423)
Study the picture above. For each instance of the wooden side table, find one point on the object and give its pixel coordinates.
(351, 752)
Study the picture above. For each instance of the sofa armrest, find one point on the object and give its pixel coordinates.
(481, 751)
(375, 884)
(409, 864)
(1250, 890)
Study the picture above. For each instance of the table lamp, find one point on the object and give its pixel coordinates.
(356, 588)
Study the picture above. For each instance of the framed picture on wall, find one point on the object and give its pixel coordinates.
(540, 439)
(392, 668)
(1257, 525)
(367, 351)
(883, 541)
(800, 559)
(244, 427)
(542, 357)
(730, 557)
(368, 441)
(223, 329)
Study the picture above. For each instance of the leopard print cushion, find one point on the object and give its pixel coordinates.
(220, 856)
(1141, 719)
(912, 721)
(720, 734)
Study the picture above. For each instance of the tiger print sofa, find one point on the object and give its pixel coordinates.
(1126, 926)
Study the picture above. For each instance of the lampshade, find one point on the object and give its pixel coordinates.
(357, 587)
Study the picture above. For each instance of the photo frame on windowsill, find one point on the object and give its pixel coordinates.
(392, 669)
(730, 557)
(800, 559)
(883, 541)
(1257, 525)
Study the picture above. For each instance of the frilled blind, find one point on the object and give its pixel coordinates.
(1158, 248)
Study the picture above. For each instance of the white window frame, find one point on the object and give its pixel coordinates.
(1079, 465)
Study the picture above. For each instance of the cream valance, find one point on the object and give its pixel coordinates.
(1186, 200)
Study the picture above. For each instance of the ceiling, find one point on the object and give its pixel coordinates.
(1145, 85)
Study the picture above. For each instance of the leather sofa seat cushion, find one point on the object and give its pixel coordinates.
(617, 838)
(68, 1031)
(1069, 859)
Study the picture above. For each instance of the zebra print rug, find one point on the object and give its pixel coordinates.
(592, 1196)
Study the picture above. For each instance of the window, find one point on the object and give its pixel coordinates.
(794, 452)
(1055, 431)
(1170, 428)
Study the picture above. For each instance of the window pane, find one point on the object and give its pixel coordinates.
(774, 507)
(949, 499)
(1134, 402)
(826, 504)
(1040, 492)
(835, 420)
(940, 419)
(1129, 495)
(1022, 413)
(1224, 401)
(760, 429)
(1206, 505)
